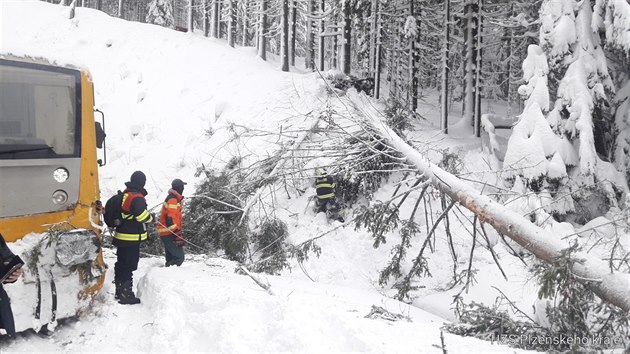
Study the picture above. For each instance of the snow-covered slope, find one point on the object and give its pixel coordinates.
(170, 99)
(162, 91)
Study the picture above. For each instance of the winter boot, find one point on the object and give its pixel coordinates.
(127, 297)
(118, 290)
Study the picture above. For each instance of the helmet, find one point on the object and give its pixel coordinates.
(320, 171)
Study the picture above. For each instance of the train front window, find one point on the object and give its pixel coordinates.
(38, 112)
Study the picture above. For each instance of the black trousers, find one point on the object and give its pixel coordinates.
(127, 258)
(6, 315)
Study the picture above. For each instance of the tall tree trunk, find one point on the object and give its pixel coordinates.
(470, 34)
(99, 5)
(293, 33)
(284, 47)
(335, 54)
(478, 63)
(510, 43)
(121, 7)
(191, 13)
(310, 36)
(392, 71)
(322, 29)
(244, 41)
(377, 58)
(206, 18)
(373, 36)
(413, 63)
(231, 29)
(73, 6)
(216, 8)
(347, 36)
(335, 47)
(445, 69)
(262, 40)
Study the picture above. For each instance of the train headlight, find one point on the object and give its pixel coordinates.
(60, 197)
(61, 174)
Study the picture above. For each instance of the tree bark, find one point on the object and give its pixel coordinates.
(478, 63)
(470, 34)
(595, 274)
(231, 29)
(347, 36)
(373, 36)
(335, 49)
(191, 12)
(262, 40)
(206, 18)
(293, 33)
(73, 5)
(445, 69)
(244, 41)
(310, 36)
(216, 7)
(413, 64)
(377, 59)
(284, 47)
(322, 29)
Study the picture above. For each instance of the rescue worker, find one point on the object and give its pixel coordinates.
(128, 236)
(6, 314)
(170, 225)
(326, 200)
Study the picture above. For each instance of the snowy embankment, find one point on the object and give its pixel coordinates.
(204, 306)
(170, 101)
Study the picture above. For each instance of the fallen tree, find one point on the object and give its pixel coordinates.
(611, 286)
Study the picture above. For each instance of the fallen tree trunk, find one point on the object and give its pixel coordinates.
(609, 285)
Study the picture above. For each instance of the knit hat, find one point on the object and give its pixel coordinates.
(178, 185)
(138, 179)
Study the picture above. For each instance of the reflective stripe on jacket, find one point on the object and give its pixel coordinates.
(135, 216)
(325, 187)
(171, 215)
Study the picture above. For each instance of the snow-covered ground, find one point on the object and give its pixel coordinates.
(204, 306)
(171, 100)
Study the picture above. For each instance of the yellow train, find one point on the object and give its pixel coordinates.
(49, 188)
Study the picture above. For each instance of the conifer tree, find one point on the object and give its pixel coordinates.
(161, 13)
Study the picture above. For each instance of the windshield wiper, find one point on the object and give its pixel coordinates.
(16, 151)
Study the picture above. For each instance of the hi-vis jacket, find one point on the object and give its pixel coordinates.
(135, 216)
(171, 215)
(325, 187)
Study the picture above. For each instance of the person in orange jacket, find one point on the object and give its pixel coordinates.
(170, 226)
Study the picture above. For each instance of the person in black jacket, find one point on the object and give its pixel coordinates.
(6, 314)
(128, 236)
(326, 200)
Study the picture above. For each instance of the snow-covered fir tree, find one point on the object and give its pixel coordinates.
(572, 69)
(160, 12)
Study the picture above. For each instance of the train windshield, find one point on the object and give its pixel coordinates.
(39, 110)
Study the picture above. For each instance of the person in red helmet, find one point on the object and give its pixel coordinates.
(170, 227)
